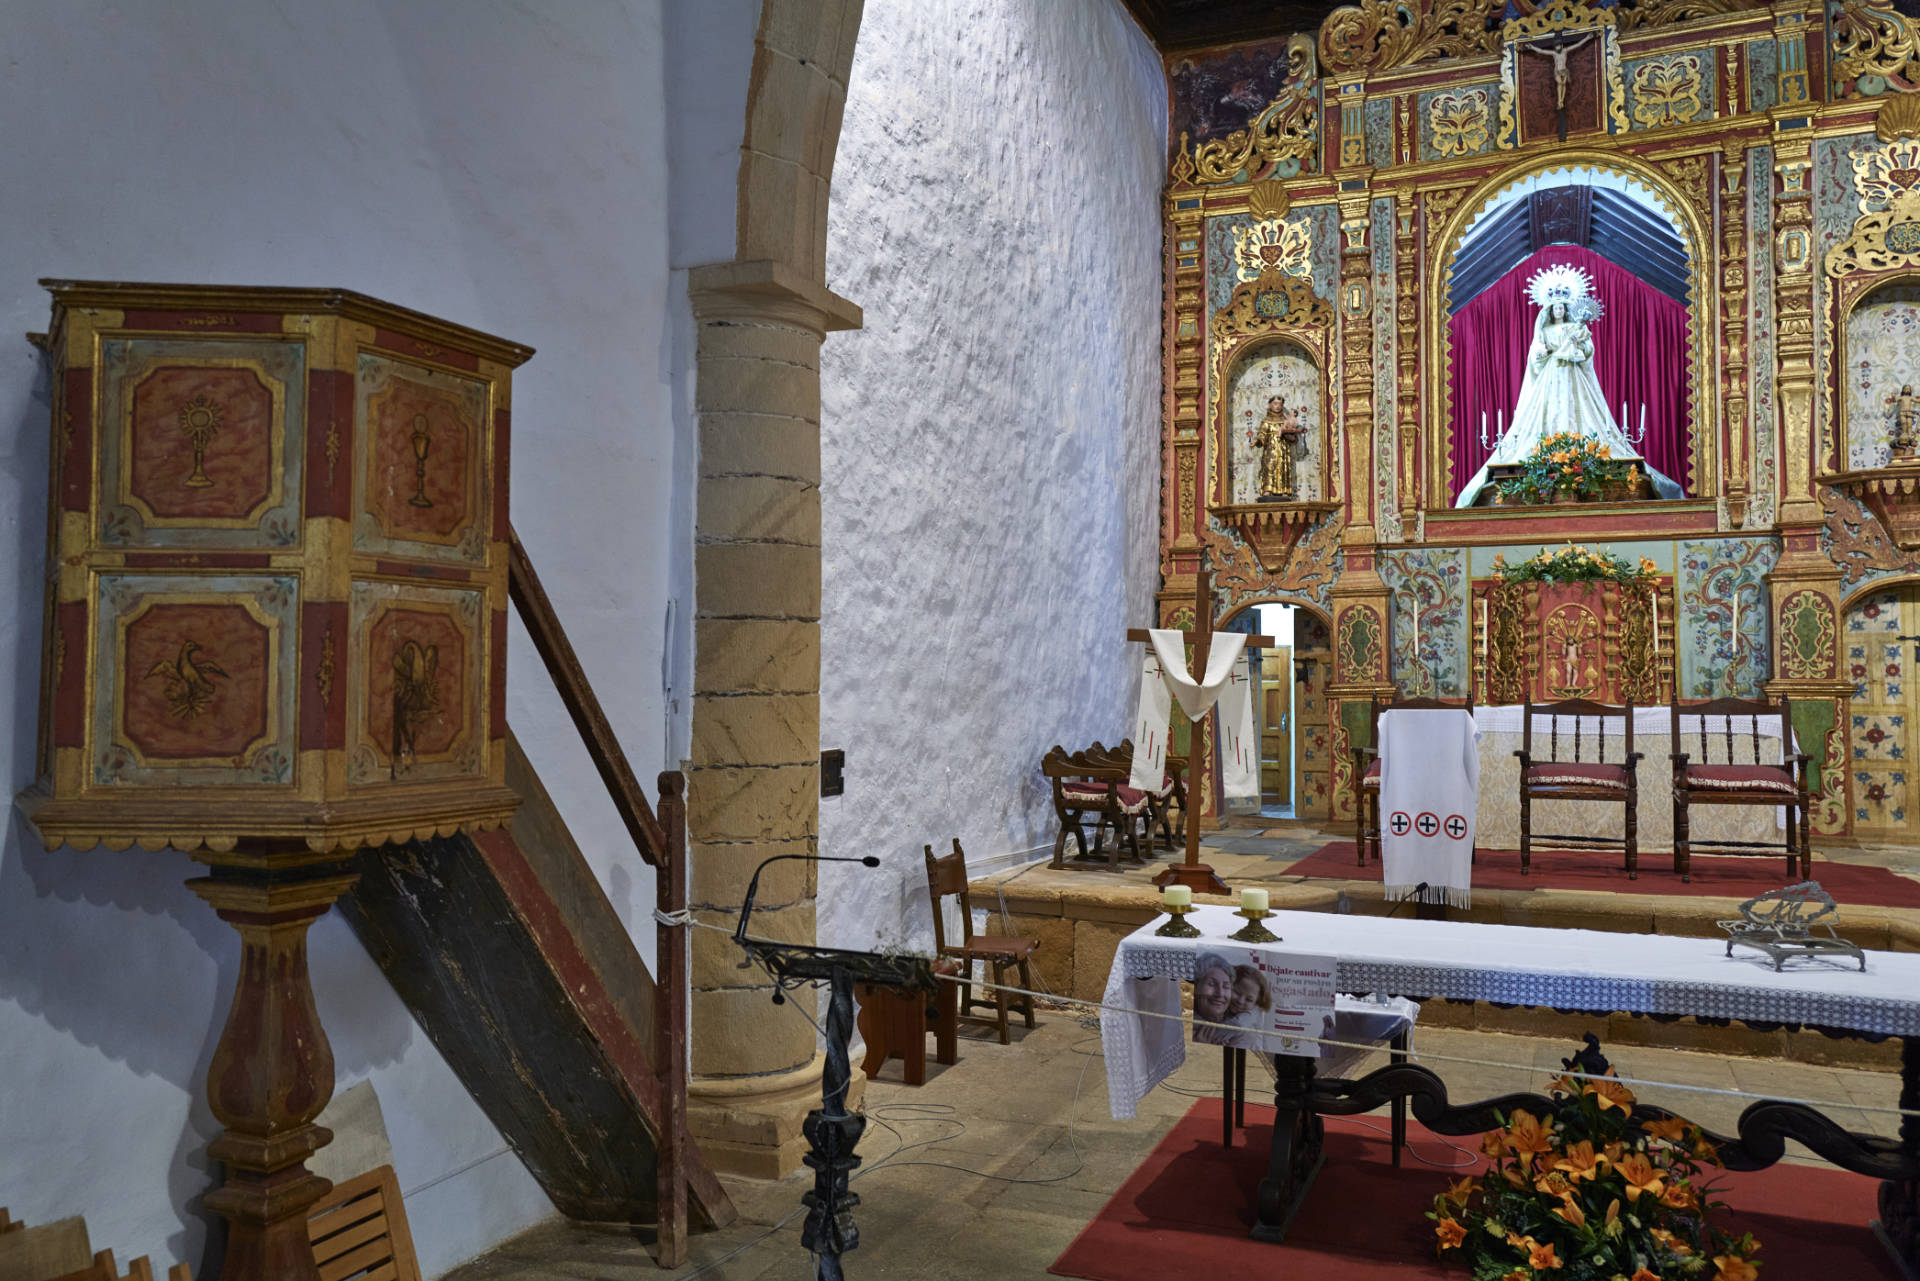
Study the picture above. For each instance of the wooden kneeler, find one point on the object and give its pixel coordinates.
(359, 1231)
(59, 1251)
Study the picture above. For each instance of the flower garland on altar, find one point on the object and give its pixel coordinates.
(1590, 1193)
(1572, 564)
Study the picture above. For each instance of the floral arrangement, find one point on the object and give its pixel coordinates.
(1572, 564)
(1591, 1194)
(1567, 463)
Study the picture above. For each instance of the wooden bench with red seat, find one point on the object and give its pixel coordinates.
(1088, 784)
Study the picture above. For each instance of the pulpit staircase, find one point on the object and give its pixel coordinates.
(511, 957)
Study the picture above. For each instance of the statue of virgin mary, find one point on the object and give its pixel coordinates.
(1561, 392)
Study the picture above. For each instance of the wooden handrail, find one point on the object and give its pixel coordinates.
(570, 678)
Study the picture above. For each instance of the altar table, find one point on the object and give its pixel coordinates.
(1500, 738)
(1658, 975)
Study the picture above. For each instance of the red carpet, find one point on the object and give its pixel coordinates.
(1186, 1210)
(1725, 875)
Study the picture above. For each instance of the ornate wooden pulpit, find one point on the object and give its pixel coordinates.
(275, 633)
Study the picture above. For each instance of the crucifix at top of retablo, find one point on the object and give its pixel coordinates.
(1225, 678)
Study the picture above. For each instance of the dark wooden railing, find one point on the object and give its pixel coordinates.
(662, 842)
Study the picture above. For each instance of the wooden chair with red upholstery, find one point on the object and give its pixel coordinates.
(1733, 782)
(947, 876)
(1366, 771)
(1086, 785)
(1576, 768)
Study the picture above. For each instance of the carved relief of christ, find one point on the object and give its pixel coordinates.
(1558, 55)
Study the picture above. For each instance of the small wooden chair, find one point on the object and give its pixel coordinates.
(1366, 771)
(359, 1231)
(1162, 801)
(1085, 786)
(948, 875)
(1557, 778)
(1740, 783)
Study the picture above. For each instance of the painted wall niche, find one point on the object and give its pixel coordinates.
(1275, 376)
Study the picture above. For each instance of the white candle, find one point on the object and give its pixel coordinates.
(1500, 423)
(1656, 620)
(1177, 896)
(1736, 620)
(1643, 419)
(1483, 625)
(1253, 900)
(1483, 424)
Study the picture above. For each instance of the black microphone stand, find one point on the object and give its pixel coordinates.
(832, 1132)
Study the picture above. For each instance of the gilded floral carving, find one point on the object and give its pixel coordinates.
(1458, 121)
(1666, 91)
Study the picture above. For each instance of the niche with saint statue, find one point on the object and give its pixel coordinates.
(1879, 445)
(1275, 442)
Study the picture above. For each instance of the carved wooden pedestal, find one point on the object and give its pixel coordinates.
(272, 1072)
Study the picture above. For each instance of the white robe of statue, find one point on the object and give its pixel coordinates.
(1561, 392)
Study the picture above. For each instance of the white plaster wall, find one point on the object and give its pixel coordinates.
(991, 437)
(501, 163)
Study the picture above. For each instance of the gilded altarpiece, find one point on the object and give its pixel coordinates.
(1388, 135)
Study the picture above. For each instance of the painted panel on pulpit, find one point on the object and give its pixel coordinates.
(1883, 363)
(1276, 381)
(1884, 705)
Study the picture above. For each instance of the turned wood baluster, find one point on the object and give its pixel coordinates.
(272, 1071)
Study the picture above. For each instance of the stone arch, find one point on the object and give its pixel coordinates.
(1702, 295)
(753, 777)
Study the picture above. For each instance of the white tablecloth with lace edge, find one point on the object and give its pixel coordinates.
(1521, 965)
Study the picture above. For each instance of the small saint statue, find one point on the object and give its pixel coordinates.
(1904, 417)
(1278, 439)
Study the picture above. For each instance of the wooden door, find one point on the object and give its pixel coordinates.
(1880, 632)
(1276, 728)
(1313, 741)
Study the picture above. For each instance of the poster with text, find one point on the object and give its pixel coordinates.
(1255, 998)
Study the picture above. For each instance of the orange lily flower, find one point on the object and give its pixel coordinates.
(1671, 1241)
(1678, 1195)
(1458, 1191)
(1540, 1256)
(1613, 1151)
(1705, 1151)
(1611, 1094)
(1640, 1177)
(1642, 1274)
(1672, 1130)
(1494, 1144)
(1527, 1135)
(1514, 1177)
(1580, 1162)
(1552, 1183)
(1570, 1211)
(1734, 1268)
(1451, 1234)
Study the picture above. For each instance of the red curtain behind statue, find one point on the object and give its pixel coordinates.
(1639, 353)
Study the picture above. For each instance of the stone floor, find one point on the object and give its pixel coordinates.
(992, 1167)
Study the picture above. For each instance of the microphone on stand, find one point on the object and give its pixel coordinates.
(753, 886)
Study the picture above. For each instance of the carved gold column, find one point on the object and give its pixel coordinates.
(1804, 585)
(1407, 376)
(1360, 597)
(1186, 297)
(1733, 295)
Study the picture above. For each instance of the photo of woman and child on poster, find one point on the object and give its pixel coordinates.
(1250, 1001)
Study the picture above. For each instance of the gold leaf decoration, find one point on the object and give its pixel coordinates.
(1268, 200)
(1378, 34)
(1870, 41)
(1899, 116)
(1458, 121)
(1666, 91)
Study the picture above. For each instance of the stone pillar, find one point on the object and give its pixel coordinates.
(753, 786)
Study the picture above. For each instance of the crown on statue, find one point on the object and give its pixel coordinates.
(1567, 284)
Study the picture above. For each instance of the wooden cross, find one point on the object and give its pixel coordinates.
(1193, 873)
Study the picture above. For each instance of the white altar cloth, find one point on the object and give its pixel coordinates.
(1499, 800)
(1517, 964)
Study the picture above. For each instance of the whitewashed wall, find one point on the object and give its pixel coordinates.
(991, 438)
(501, 164)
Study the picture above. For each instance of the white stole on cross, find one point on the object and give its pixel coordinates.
(1239, 740)
(1168, 653)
